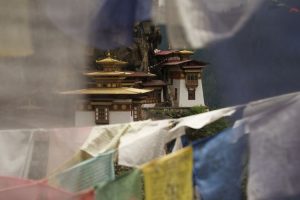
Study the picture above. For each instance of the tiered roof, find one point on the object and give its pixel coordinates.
(191, 62)
(109, 91)
(179, 58)
(118, 74)
(112, 73)
(175, 52)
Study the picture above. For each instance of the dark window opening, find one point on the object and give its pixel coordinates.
(102, 115)
(191, 94)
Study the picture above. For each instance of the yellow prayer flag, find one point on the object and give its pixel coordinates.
(170, 177)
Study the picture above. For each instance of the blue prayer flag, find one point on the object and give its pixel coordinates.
(219, 163)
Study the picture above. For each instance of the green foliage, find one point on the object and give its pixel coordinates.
(197, 109)
(209, 130)
(167, 113)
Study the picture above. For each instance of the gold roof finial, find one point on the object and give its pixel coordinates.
(110, 61)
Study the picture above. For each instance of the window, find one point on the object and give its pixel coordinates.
(136, 113)
(175, 94)
(101, 115)
(191, 94)
(191, 79)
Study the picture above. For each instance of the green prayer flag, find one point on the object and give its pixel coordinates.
(86, 174)
(125, 187)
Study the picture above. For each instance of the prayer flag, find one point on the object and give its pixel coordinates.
(137, 148)
(170, 177)
(86, 174)
(125, 187)
(105, 138)
(274, 161)
(219, 162)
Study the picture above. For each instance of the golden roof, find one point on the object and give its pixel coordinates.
(102, 73)
(119, 73)
(109, 91)
(186, 52)
(110, 61)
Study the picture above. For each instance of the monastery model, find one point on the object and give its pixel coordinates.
(117, 95)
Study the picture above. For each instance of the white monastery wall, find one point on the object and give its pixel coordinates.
(116, 117)
(183, 95)
(85, 118)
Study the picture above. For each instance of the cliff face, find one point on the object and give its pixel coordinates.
(139, 55)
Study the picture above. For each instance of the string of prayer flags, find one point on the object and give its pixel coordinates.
(170, 177)
(218, 168)
(126, 187)
(219, 164)
(86, 174)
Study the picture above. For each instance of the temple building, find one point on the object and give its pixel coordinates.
(183, 77)
(114, 94)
